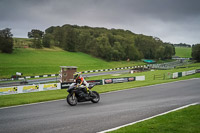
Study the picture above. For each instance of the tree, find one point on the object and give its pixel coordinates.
(70, 40)
(37, 36)
(168, 52)
(6, 40)
(35, 33)
(46, 41)
(196, 52)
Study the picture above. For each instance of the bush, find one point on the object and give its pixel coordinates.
(6, 41)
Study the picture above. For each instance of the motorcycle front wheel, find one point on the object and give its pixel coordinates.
(96, 98)
(71, 100)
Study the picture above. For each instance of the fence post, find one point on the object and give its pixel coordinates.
(103, 82)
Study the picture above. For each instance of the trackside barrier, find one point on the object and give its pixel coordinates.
(175, 75)
(54, 86)
(29, 88)
(140, 78)
(190, 72)
(108, 81)
(185, 73)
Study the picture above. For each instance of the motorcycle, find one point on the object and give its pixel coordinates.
(76, 94)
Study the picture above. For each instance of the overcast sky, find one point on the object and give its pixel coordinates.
(172, 21)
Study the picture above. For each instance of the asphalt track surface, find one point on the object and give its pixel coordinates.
(45, 80)
(114, 109)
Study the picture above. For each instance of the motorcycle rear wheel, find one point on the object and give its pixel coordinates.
(71, 100)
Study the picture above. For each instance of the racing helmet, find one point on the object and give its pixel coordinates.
(76, 75)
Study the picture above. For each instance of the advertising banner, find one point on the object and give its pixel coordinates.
(120, 80)
(191, 72)
(179, 74)
(30, 88)
(50, 87)
(8, 90)
(175, 75)
(108, 81)
(95, 82)
(65, 85)
(131, 78)
(198, 71)
(140, 78)
(183, 73)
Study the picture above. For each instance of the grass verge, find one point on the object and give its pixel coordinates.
(182, 121)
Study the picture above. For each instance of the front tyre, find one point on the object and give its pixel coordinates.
(71, 100)
(96, 97)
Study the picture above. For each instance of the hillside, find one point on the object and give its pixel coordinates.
(107, 44)
(184, 52)
(48, 61)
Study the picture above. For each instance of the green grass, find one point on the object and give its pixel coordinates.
(182, 121)
(26, 98)
(150, 74)
(48, 61)
(183, 52)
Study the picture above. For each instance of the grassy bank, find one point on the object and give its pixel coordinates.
(183, 52)
(17, 99)
(182, 121)
(33, 62)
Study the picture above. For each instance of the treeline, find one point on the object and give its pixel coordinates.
(196, 52)
(182, 45)
(111, 45)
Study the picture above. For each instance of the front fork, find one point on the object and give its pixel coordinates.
(73, 96)
(88, 90)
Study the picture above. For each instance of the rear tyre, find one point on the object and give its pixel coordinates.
(96, 97)
(71, 100)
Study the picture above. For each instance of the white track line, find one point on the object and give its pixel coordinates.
(112, 129)
(101, 93)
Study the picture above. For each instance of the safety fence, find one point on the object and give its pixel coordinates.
(54, 86)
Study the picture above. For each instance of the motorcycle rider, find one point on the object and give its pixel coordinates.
(79, 80)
